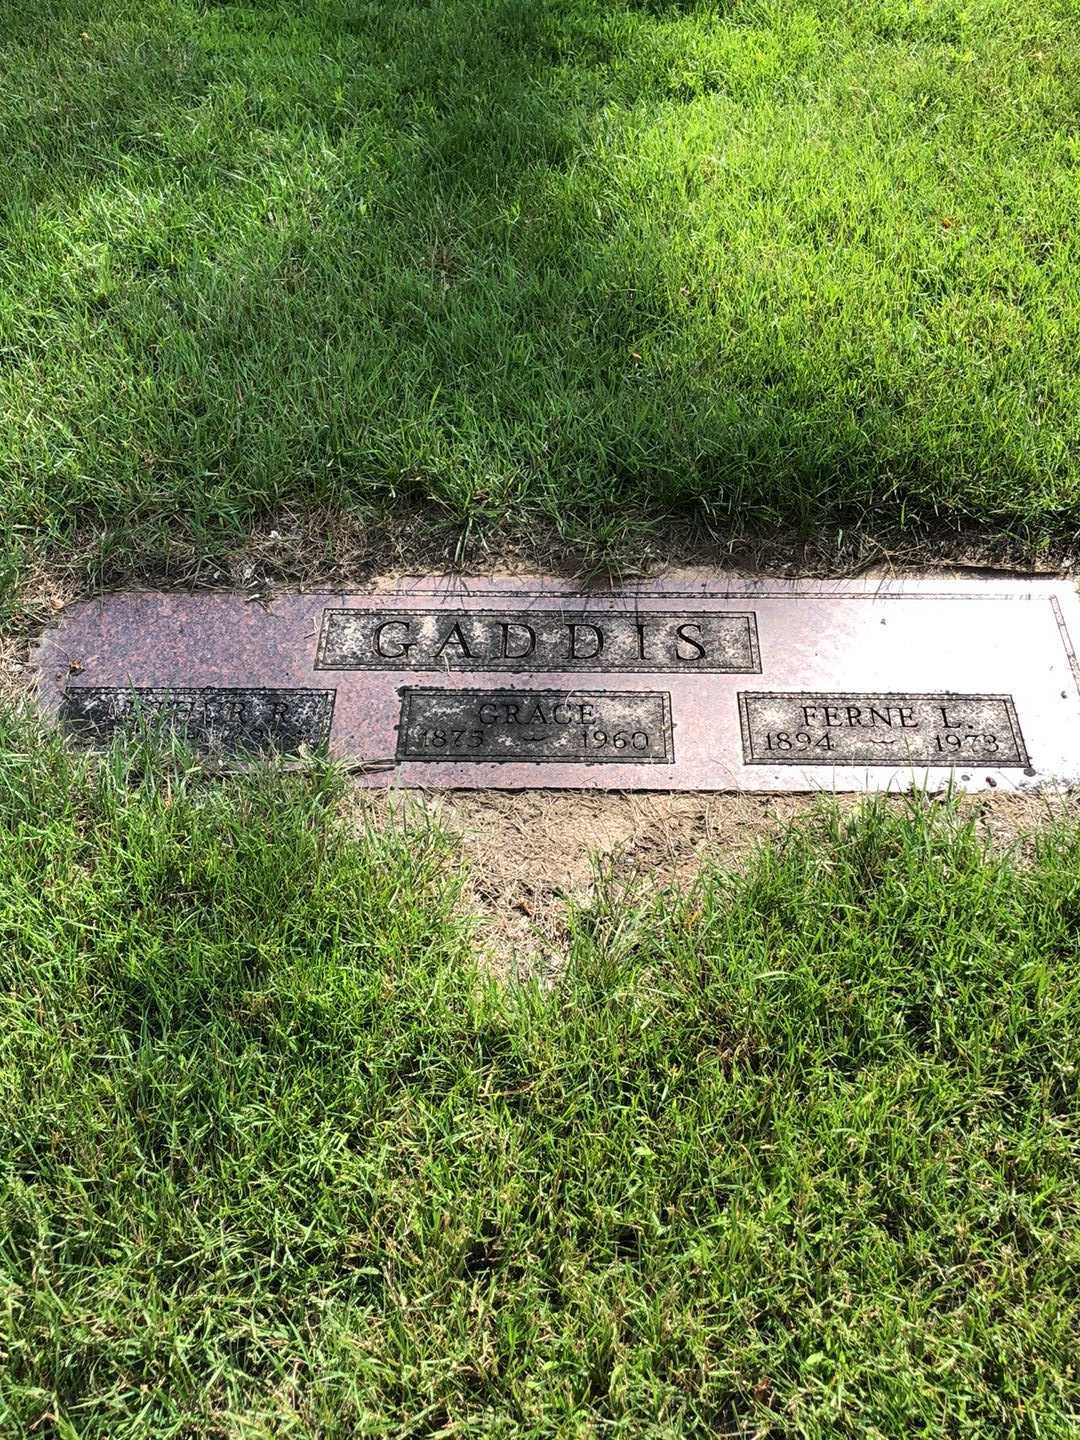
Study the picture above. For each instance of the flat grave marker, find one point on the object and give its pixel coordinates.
(693, 682)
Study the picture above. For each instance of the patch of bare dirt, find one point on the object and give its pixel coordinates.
(45, 593)
(529, 855)
(325, 550)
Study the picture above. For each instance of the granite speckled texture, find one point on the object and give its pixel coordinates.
(692, 682)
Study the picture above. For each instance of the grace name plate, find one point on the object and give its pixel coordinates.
(695, 682)
(599, 727)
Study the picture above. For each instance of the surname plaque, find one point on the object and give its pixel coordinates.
(610, 641)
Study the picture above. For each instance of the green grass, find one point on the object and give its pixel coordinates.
(794, 1155)
(776, 264)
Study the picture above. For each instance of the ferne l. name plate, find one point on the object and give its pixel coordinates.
(800, 728)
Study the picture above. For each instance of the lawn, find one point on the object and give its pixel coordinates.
(780, 266)
(792, 1155)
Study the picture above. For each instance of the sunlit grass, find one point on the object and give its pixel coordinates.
(794, 1154)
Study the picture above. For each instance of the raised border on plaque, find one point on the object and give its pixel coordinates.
(556, 665)
(802, 759)
(494, 694)
(84, 725)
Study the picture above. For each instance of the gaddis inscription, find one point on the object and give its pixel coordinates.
(654, 641)
(230, 719)
(886, 729)
(595, 726)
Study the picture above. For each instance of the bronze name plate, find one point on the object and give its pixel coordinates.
(702, 642)
(797, 728)
(227, 718)
(596, 726)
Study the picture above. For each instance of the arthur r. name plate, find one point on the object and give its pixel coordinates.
(700, 681)
(224, 719)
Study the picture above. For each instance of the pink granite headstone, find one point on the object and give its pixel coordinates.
(688, 683)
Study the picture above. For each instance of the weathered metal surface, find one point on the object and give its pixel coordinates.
(224, 719)
(598, 727)
(882, 729)
(650, 642)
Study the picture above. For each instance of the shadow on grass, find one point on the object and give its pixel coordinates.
(530, 261)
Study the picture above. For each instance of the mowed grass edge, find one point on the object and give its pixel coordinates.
(775, 265)
(792, 1154)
